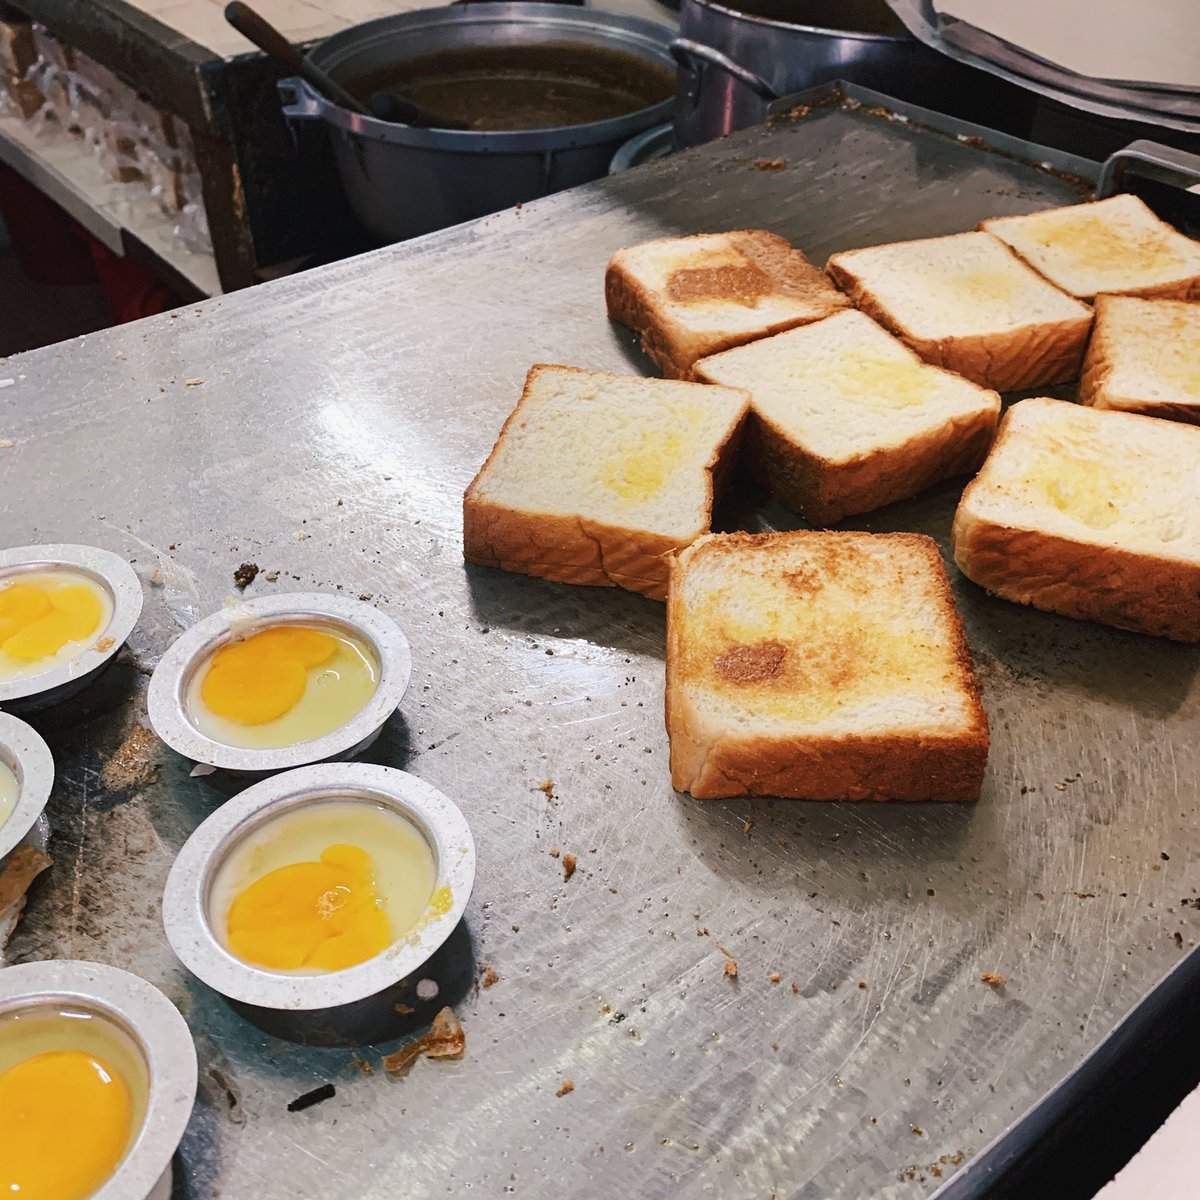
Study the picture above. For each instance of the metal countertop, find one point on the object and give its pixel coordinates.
(325, 427)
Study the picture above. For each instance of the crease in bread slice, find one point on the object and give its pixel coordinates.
(1116, 246)
(846, 418)
(967, 303)
(597, 477)
(1144, 357)
(1091, 514)
(820, 666)
(692, 296)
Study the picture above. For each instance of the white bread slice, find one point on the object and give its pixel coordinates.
(1116, 245)
(846, 418)
(821, 666)
(691, 296)
(965, 302)
(596, 478)
(1144, 357)
(1091, 514)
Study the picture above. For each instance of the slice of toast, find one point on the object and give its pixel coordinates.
(691, 296)
(596, 478)
(1116, 245)
(821, 666)
(1144, 357)
(965, 302)
(846, 418)
(1091, 514)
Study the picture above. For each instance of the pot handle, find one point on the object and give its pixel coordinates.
(299, 103)
(685, 51)
(1148, 160)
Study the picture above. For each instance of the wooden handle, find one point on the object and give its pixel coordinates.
(264, 35)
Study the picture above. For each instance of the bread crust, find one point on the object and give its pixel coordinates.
(571, 548)
(672, 347)
(1006, 362)
(1076, 579)
(824, 492)
(713, 764)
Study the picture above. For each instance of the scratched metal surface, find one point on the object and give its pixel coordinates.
(339, 417)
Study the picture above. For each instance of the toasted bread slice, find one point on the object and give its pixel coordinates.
(1091, 514)
(847, 418)
(1144, 357)
(596, 478)
(965, 302)
(1115, 246)
(691, 296)
(821, 666)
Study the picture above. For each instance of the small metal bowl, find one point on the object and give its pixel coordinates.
(358, 998)
(124, 588)
(166, 700)
(144, 1014)
(28, 757)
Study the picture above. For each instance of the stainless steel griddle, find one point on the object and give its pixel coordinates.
(325, 427)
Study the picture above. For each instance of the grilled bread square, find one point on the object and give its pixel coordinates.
(691, 296)
(821, 666)
(1144, 357)
(1115, 246)
(847, 418)
(596, 478)
(967, 303)
(1091, 514)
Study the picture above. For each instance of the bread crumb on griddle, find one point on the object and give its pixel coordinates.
(245, 575)
(731, 968)
(992, 979)
(568, 862)
(568, 1086)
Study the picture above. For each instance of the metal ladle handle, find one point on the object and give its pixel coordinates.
(684, 51)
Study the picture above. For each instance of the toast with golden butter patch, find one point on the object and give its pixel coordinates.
(692, 296)
(1144, 357)
(846, 418)
(821, 666)
(1115, 246)
(1091, 514)
(967, 303)
(596, 477)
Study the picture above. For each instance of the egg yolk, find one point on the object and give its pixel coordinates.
(65, 1121)
(261, 678)
(36, 622)
(322, 915)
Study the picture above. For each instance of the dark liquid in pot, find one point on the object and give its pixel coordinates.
(523, 87)
(854, 16)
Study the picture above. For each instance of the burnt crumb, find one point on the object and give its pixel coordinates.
(770, 164)
(731, 968)
(1040, 895)
(795, 990)
(444, 1039)
(1179, 939)
(992, 979)
(232, 1101)
(245, 575)
(404, 1010)
(862, 983)
(568, 1086)
(918, 1131)
(547, 786)
(1190, 902)
(317, 1096)
(568, 862)
(366, 596)
(1164, 856)
(489, 977)
(1085, 895)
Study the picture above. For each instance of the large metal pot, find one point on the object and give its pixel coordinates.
(402, 181)
(738, 56)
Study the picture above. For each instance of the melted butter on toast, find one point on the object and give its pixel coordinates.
(1086, 239)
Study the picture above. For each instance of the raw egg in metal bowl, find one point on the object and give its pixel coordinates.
(282, 685)
(323, 887)
(73, 1095)
(48, 618)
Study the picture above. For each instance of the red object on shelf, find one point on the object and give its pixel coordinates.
(53, 248)
(50, 246)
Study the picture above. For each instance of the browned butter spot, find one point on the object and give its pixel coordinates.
(740, 284)
(752, 664)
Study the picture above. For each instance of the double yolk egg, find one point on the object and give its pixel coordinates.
(301, 895)
(282, 685)
(73, 1092)
(48, 618)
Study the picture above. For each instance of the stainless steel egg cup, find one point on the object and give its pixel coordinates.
(349, 1007)
(154, 1025)
(166, 700)
(124, 588)
(24, 752)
